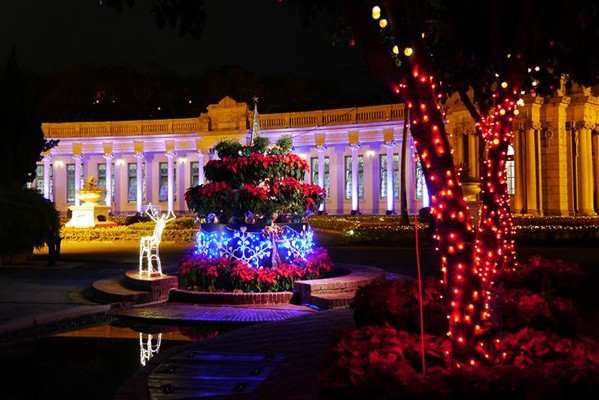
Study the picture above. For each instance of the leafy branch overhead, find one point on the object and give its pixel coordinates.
(187, 16)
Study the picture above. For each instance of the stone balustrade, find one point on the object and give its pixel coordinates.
(343, 116)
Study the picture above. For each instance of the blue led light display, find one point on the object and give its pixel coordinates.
(255, 247)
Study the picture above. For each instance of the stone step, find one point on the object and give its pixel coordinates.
(113, 290)
(351, 279)
(330, 301)
(132, 288)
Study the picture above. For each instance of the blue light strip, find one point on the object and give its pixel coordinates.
(255, 248)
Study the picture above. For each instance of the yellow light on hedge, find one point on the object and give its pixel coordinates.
(408, 51)
(395, 49)
(504, 84)
(376, 12)
(383, 23)
(516, 112)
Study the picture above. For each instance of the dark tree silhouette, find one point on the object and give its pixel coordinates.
(22, 137)
(26, 218)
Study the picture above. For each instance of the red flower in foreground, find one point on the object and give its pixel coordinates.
(198, 272)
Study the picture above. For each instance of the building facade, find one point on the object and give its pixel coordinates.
(553, 167)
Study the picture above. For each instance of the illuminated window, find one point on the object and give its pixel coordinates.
(510, 171)
(70, 183)
(163, 182)
(102, 177)
(383, 175)
(314, 175)
(132, 182)
(38, 182)
(195, 173)
(348, 177)
(419, 175)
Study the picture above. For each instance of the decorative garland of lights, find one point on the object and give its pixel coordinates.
(256, 248)
(455, 234)
(494, 246)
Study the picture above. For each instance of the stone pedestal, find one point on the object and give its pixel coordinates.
(88, 215)
(158, 286)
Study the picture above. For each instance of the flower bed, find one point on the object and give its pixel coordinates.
(199, 272)
(254, 183)
(386, 229)
(535, 340)
(182, 229)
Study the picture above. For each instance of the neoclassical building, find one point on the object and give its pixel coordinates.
(553, 167)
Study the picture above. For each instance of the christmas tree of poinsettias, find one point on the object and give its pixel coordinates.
(254, 235)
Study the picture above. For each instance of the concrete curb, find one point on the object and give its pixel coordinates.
(72, 313)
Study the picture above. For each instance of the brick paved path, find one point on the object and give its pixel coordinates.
(216, 313)
(303, 341)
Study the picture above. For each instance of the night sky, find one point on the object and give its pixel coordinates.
(262, 36)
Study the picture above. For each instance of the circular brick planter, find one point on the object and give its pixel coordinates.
(315, 291)
(190, 296)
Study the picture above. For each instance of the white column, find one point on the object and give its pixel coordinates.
(390, 177)
(321, 171)
(171, 180)
(139, 179)
(47, 165)
(355, 200)
(77, 159)
(108, 157)
(531, 172)
(586, 170)
(473, 154)
(201, 176)
(595, 144)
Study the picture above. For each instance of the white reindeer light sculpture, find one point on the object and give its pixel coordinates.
(149, 245)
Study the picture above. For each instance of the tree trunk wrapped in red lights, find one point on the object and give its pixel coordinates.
(455, 233)
(494, 239)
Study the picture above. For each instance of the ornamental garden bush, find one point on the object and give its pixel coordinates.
(534, 350)
(254, 234)
(255, 184)
(28, 220)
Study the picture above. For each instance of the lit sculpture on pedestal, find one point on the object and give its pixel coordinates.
(90, 213)
(149, 245)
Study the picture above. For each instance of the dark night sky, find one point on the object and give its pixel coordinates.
(261, 36)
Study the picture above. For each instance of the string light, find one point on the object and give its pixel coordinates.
(376, 12)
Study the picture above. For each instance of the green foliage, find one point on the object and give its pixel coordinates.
(260, 144)
(283, 146)
(182, 229)
(228, 148)
(359, 229)
(26, 220)
(254, 184)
